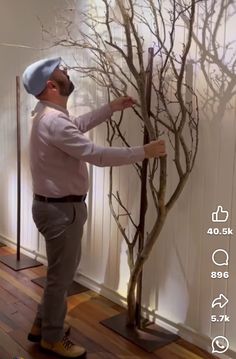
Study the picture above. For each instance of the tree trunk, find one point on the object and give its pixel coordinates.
(134, 277)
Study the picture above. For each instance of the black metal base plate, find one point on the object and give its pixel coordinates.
(149, 338)
(24, 262)
(75, 288)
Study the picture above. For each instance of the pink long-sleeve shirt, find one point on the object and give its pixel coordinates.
(59, 150)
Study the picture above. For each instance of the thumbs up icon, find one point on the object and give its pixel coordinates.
(220, 215)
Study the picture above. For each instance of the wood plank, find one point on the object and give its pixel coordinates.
(19, 294)
(10, 346)
(18, 303)
(107, 338)
(4, 354)
(193, 348)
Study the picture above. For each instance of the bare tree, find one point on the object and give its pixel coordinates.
(117, 50)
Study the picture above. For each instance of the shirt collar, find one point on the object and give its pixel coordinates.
(53, 105)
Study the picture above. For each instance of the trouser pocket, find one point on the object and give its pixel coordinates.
(52, 219)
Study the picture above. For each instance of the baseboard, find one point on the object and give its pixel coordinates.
(100, 289)
(185, 332)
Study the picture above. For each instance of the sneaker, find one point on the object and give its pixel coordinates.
(65, 347)
(35, 332)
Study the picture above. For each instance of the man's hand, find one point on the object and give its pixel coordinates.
(155, 149)
(121, 103)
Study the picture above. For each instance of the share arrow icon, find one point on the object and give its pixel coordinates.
(221, 301)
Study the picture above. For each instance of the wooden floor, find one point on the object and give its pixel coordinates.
(18, 302)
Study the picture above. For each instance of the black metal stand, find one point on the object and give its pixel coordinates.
(21, 261)
(149, 338)
(75, 288)
(146, 335)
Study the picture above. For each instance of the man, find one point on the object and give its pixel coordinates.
(58, 155)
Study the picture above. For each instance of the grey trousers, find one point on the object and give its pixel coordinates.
(61, 224)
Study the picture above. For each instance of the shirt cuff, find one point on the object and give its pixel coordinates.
(139, 153)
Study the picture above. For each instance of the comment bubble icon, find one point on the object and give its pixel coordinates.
(220, 257)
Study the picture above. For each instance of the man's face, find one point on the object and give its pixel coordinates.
(61, 77)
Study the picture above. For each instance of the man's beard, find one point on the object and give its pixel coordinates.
(65, 89)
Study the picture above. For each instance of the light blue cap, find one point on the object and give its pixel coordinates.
(36, 75)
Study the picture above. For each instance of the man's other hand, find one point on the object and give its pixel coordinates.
(121, 103)
(155, 149)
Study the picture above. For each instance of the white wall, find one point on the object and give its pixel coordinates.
(21, 43)
(177, 285)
